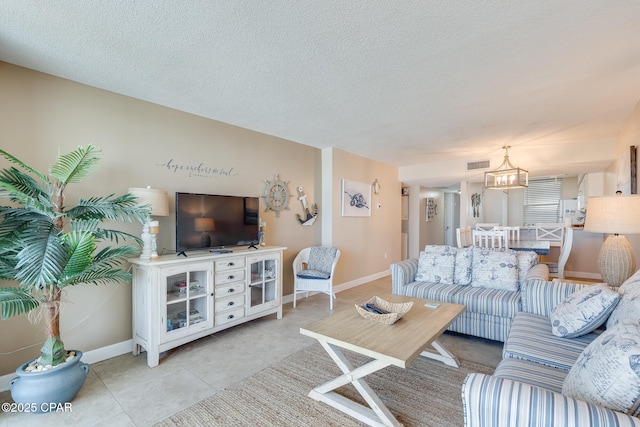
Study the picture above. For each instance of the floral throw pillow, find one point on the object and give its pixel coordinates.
(495, 269)
(607, 372)
(436, 264)
(583, 311)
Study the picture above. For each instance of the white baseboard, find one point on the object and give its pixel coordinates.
(346, 285)
(582, 275)
(118, 349)
(91, 356)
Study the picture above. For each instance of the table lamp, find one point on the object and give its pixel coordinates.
(614, 215)
(158, 201)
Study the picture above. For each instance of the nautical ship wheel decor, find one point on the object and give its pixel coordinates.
(276, 195)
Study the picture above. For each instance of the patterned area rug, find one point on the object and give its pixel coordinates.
(428, 393)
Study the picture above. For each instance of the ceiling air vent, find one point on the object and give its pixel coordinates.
(478, 164)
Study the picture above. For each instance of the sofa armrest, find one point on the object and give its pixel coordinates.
(538, 271)
(403, 273)
(498, 402)
(541, 296)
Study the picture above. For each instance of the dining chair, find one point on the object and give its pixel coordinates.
(490, 239)
(554, 233)
(313, 270)
(513, 231)
(463, 237)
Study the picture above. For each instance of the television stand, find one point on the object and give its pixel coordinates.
(220, 251)
(178, 300)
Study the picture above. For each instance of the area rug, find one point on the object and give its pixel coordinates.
(428, 393)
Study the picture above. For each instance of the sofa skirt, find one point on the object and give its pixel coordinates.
(482, 325)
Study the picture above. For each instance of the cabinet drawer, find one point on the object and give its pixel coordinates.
(229, 316)
(229, 303)
(229, 276)
(228, 290)
(229, 264)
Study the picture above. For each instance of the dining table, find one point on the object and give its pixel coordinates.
(541, 247)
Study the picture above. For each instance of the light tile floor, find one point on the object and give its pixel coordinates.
(123, 391)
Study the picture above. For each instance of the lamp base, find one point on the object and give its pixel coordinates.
(616, 260)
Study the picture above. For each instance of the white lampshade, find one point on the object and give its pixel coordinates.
(615, 215)
(156, 199)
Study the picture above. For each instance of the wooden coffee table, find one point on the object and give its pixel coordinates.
(398, 344)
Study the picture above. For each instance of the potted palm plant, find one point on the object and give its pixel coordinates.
(46, 246)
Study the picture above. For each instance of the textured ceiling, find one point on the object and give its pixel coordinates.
(415, 84)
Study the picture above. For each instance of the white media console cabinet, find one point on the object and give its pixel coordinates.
(178, 299)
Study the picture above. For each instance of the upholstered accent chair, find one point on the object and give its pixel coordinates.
(313, 271)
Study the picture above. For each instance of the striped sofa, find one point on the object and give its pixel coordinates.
(526, 387)
(489, 309)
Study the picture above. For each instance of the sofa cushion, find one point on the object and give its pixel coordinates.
(629, 305)
(530, 338)
(495, 269)
(436, 264)
(632, 283)
(608, 370)
(435, 291)
(531, 373)
(526, 260)
(627, 308)
(583, 311)
(462, 271)
(313, 274)
(497, 302)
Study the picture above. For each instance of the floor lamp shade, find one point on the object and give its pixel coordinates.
(615, 215)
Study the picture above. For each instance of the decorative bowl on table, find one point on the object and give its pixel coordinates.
(394, 310)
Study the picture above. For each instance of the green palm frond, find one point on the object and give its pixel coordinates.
(123, 208)
(81, 224)
(24, 166)
(41, 204)
(80, 248)
(73, 167)
(114, 256)
(41, 259)
(16, 301)
(116, 236)
(99, 276)
(23, 183)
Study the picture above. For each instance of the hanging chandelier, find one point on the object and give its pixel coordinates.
(506, 176)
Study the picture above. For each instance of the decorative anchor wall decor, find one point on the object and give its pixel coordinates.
(309, 217)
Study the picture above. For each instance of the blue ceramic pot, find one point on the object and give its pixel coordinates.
(48, 391)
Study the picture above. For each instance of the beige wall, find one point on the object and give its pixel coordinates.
(366, 243)
(41, 114)
(629, 136)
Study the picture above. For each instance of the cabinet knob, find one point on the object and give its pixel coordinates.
(231, 277)
(211, 294)
(231, 264)
(231, 316)
(231, 290)
(230, 303)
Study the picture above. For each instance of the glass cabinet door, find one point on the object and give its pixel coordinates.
(263, 288)
(189, 299)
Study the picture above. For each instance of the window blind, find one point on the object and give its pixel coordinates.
(541, 200)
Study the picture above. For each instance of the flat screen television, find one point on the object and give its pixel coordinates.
(207, 221)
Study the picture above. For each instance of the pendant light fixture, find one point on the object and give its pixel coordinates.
(506, 176)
